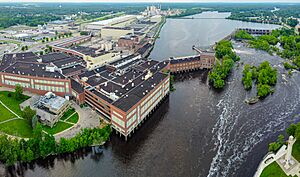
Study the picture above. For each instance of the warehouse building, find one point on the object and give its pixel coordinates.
(125, 99)
(115, 33)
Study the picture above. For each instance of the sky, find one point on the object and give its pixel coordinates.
(84, 1)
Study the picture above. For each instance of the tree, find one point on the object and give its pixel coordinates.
(242, 34)
(84, 33)
(272, 40)
(260, 44)
(291, 130)
(29, 155)
(247, 80)
(222, 69)
(19, 92)
(28, 114)
(275, 146)
(263, 90)
(292, 22)
(219, 83)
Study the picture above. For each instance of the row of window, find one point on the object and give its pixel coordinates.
(151, 101)
(150, 96)
(151, 107)
(129, 122)
(25, 85)
(49, 88)
(50, 82)
(117, 120)
(131, 113)
(17, 78)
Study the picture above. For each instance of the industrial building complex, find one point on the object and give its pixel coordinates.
(106, 69)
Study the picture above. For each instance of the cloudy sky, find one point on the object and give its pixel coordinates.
(286, 1)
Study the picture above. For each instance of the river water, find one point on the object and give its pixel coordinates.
(197, 131)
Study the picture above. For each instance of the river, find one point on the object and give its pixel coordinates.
(197, 131)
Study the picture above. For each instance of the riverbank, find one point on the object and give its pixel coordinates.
(43, 144)
(161, 24)
(219, 137)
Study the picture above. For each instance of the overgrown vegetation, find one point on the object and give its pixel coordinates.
(264, 76)
(172, 88)
(226, 58)
(275, 146)
(43, 145)
(243, 35)
(247, 77)
(284, 42)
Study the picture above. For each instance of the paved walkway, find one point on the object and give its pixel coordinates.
(8, 120)
(10, 110)
(66, 120)
(87, 119)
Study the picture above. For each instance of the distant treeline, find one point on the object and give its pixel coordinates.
(33, 14)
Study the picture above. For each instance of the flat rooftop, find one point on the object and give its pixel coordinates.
(112, 20)
(32, 69)
(125, 89)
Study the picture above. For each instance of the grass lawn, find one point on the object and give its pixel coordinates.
(67, 114)
(19, 128)
(11, 102)
(74, 118)
(5, 114)
(273, 170)
(296, 151)
(60, 126)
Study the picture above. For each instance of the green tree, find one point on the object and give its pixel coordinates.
(28, 114)
(291, 130)
(247, 80)
(19, 92)
(219, 83)
(242, 34)
(263, 90)
(292, 22)
(29, 155)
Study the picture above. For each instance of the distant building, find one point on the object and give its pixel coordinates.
(96, 26)
(94, 58)
(114, 33)
(128, 42)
